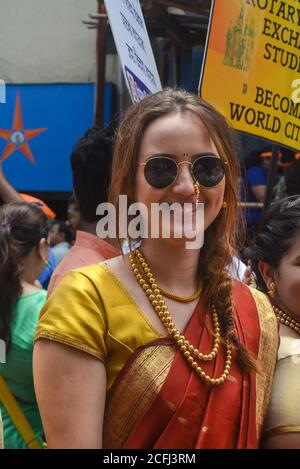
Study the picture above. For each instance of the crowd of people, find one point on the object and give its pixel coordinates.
(145, 343)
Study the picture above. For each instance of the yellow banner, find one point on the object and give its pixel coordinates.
(251, 68)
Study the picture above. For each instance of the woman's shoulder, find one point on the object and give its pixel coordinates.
(254, 306)
(94, 273)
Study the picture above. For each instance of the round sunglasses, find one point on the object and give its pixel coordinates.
(162, 171)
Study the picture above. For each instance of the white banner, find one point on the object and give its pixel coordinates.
(134, 48)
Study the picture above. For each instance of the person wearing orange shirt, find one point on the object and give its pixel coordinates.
(91, 163)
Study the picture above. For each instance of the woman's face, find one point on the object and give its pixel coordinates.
(287, 278)
(182, 137)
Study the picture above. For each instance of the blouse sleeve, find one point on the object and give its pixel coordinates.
(74, 315)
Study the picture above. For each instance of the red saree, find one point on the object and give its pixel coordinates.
(157, 401)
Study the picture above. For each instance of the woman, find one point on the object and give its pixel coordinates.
(150, 348)
(1, 432)
(23, 253)
(275, 261)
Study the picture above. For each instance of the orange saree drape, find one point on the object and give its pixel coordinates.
(157, 401)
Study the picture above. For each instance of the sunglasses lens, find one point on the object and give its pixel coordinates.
(160, 172)
(208, 171)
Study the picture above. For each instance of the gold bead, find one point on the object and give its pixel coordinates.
(155, 297)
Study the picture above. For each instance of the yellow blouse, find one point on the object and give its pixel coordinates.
(284, 408)
(107, 324)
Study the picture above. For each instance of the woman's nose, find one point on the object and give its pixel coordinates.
(184, 183)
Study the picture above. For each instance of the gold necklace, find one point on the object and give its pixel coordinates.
(182, 299)
(192, 355)
(285, 319)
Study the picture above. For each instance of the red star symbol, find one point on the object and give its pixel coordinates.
(18, 137)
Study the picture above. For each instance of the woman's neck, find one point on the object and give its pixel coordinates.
(173, 266)
(286, 310)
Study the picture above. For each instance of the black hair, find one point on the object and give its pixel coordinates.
(254, 158)
(91, 162)
(275, 236)
(22, 226)
(292, 178)
(63, 228)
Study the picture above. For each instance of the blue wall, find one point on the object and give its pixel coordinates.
(66, 110)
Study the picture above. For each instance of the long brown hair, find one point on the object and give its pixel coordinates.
(22, 226)
(225, 233)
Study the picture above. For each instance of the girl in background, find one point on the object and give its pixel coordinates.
(23, 255)
(275, 260)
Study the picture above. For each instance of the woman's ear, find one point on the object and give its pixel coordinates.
(43, 249)
(267, 272)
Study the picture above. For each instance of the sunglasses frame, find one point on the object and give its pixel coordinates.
(190, 163)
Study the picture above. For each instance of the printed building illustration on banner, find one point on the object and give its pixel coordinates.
(240, 37)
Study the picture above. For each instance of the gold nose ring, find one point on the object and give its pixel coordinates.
(197, 191)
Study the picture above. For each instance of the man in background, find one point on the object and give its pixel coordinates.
(91, 163)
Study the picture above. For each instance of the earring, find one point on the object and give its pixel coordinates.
(272, 289)
(47, 263)
(197, 191)
(224, 205)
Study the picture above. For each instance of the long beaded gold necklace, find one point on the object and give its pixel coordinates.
(192, 355)
(285, 319)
